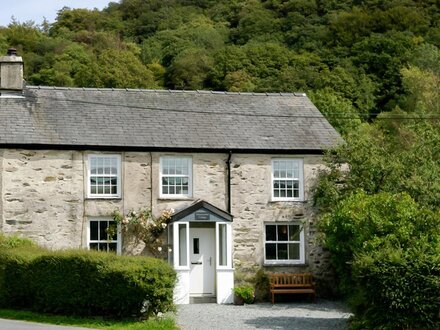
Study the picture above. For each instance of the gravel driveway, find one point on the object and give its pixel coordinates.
(304, 316)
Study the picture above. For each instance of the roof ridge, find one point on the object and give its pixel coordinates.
(284, 94)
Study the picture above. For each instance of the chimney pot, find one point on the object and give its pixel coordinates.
(12, 52)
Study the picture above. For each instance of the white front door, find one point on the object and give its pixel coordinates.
(202, 258)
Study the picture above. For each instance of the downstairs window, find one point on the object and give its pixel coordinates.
(284, 244)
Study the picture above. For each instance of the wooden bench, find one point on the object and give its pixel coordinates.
(292, 283)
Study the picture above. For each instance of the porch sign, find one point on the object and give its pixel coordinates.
(201, 236)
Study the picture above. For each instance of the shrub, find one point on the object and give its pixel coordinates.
(246, 292)
(385, 249)
(7, 242)
(262, 286)
(86, 283)
(16, 255)
(400, 289)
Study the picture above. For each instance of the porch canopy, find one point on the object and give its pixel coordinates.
(202, 211)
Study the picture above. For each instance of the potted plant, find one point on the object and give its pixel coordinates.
(243, 294)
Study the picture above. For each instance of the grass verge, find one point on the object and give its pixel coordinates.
(166, 323)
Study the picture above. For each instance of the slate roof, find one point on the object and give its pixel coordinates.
(161, 119)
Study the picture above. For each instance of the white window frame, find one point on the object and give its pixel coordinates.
(177, 245)
(301, 242)
(189, 176)
(118, 176)
(299, 179)
(228, 252)
(118, 233)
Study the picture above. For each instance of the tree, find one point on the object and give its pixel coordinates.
(338, 110)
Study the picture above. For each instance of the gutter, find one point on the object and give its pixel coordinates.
(49, 146)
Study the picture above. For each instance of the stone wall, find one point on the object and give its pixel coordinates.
(252, 207)
(43, 196)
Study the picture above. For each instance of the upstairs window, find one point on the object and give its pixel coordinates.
(175, 177)
(287, 180)
(103, 235)
(104, 176)
(284, 244)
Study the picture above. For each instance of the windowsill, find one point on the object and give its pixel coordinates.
(288, 201)
(284, 264)
(100, 198)
(177, 198)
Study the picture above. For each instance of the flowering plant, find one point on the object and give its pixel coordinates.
(145, 226)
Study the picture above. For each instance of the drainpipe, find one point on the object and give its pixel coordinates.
(228, 162)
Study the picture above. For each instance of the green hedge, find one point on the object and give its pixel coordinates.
(85, 283)
(398, 289)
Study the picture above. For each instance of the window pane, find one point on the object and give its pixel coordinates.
(172, 167)
(94, 230)
(165, 166)
(294, 232)
(282, 251)
(271, 251)
(282, 232)
(294, 251)
(222, 245)
(182, 245)
(196, 246)
(103, 230)
(94, 246)
(271, 232)
(112, 247)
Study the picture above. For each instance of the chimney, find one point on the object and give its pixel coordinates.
(11, 71)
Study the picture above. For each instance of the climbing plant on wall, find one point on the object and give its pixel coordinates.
(146, 227)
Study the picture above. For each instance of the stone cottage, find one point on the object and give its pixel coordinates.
(237, 168)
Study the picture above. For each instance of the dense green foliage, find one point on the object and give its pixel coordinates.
(399, 288)
(84, 283)
(380, 211)
(349, 53)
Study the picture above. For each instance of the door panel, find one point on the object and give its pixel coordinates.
(202, 259)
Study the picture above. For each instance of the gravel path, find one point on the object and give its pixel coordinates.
(304, 316)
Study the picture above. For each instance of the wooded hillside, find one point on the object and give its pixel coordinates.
(348, 53)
